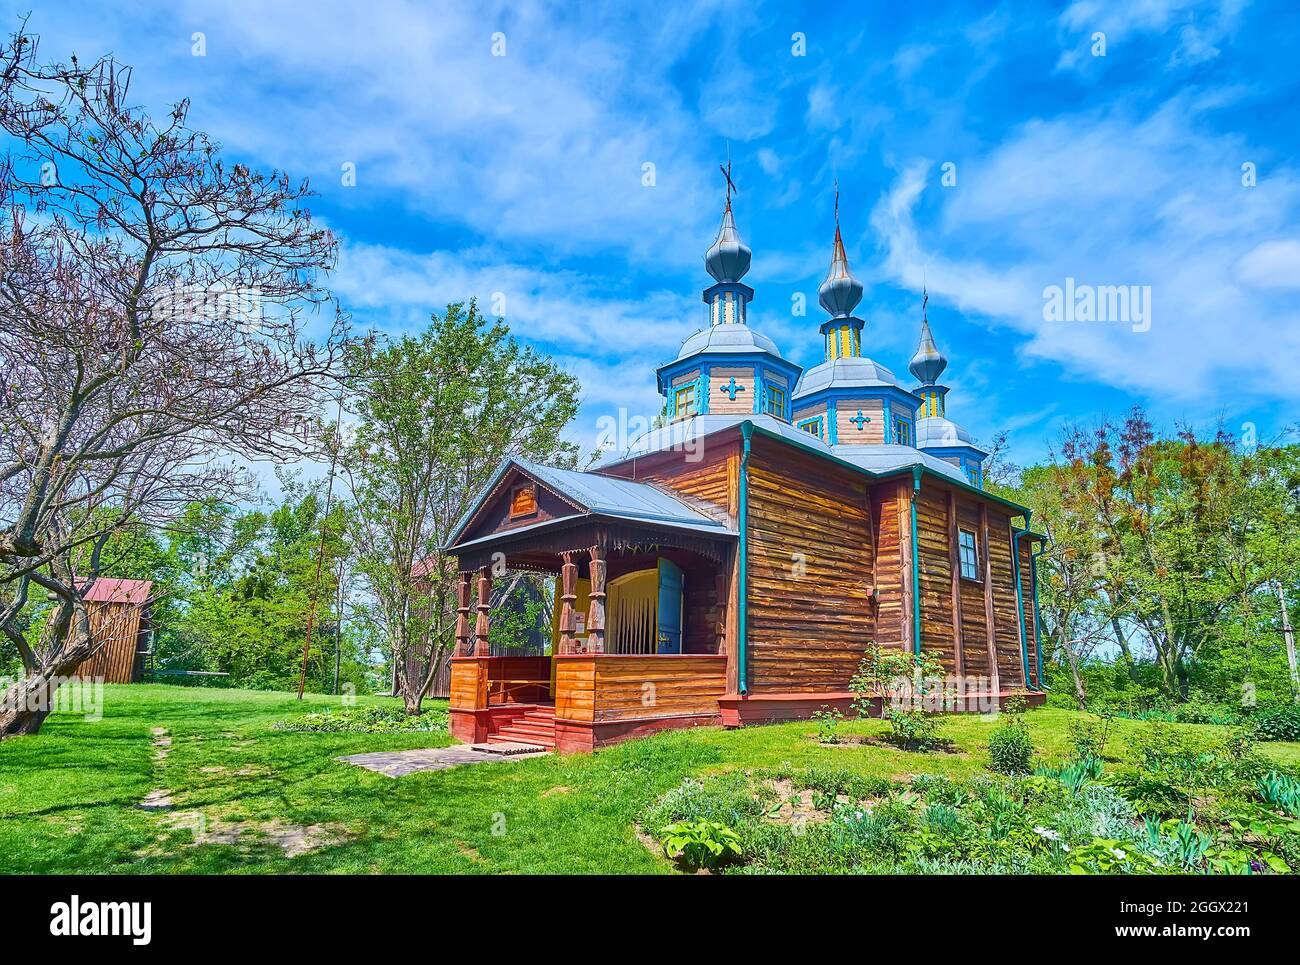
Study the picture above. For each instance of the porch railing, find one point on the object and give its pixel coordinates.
(595, 688)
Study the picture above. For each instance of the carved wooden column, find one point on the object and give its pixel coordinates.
(721, 593)
(568, 594)
(484, 605)
(462, 616)
(596, 611)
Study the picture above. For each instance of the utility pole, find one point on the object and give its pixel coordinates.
(1290, 645)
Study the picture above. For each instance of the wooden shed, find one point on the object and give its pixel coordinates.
(120, 625)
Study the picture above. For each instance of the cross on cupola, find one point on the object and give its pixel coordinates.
(731, 185)
(731, 388)
(860, 420)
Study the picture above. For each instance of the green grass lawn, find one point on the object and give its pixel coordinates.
(69, 796)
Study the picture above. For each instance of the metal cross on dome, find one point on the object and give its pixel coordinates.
(731, 388)
(731, 185)
(860, 419)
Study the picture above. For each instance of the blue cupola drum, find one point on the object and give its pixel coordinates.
(937, 435)
(728, 368)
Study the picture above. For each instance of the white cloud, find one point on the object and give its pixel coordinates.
(1202, 26)
(822, 107)
(1108, 200)
(1272, 264)
(545, 145)
(612, 345)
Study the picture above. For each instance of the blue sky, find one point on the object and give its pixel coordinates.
(523, 175)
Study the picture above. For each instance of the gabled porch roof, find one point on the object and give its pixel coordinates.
(592, 496)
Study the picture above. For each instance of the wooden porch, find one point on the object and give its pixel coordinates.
(582, 701)
(638, 641)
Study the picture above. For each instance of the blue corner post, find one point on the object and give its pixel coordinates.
(742, 595)
(1016, 533)
(1038, 617)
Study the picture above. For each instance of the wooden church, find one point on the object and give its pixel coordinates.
(732, 565)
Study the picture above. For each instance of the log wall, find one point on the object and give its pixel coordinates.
(810, 569)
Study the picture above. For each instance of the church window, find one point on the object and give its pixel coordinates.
(969, 556)
(973, 474)
(775, 401)
(684, 400)
(812, 426)
(902, 432)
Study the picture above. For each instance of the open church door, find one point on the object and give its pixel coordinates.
(670, 607)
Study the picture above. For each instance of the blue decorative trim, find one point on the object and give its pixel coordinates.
(819, 420)
(1016, 533)
(1038, 617)
(831, 324)
(848, 393)
(756, 359)
(833, 423)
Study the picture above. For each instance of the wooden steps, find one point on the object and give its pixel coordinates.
(536, 725)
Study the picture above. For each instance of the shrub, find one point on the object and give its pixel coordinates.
(700, 844)
(727, 798)
(1200, 710)
(1277, 723)
(364, 720)
(1010, 748)
(941, 789)
(837, 781)
(914, 730)
(1089, 737)
(1149, 795)
(828, 722)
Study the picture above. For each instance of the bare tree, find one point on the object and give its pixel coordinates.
(154, 304)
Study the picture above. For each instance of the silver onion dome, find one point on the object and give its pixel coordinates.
(928, 363)
(727, 259)
(840, 292)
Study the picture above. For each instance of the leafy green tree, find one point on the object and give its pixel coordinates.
(435, 414)
(1167, 547)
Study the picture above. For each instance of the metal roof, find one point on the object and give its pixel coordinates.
(107, 589)
(880, 460)
(727, 338)
(850, 371)
(884, 460)
(938, 432)
(596, 495)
